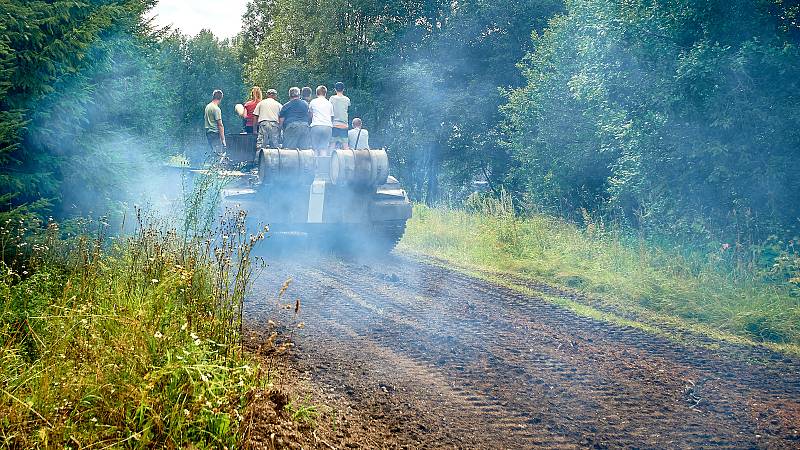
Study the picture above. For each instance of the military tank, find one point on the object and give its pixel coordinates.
(345, 200)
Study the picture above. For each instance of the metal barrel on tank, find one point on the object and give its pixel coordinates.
(286, 166)
(359, 168)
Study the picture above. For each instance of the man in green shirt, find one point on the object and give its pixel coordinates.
(215, 131)
(340, 104)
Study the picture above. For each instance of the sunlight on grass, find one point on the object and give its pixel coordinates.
(642, 280)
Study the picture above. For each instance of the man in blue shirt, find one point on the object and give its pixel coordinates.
(293, 118)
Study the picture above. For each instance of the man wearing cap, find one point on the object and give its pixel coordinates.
(266, 116)
(293, 119)
(340, 104)
(215, 131)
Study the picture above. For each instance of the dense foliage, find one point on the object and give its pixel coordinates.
(671, 117)
(677, 117)
(422, 74)
(91, 97)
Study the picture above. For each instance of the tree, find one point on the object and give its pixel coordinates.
(50, 52)
(93, 99)
(675, 117)
(422, 74)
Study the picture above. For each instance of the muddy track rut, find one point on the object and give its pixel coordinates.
(444, 360)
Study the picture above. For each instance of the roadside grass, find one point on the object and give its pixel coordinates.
(127, 342)
(652, 285)
(303, 411)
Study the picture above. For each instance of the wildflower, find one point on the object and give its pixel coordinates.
(158, 335)
(725, 247)
(184, 326)
(154, 280)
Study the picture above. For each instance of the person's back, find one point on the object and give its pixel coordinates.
(268, 109)
(212, 115)
(212, 118)
(358, 138)
(294, 121)
(321, 113)
(295, 110)
(267, 114)
(340, 104)
(249, 119)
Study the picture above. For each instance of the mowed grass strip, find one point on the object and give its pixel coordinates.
(698, 295)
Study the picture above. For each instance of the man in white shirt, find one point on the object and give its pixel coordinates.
(358, 138)
(321, 112)
(266, 116)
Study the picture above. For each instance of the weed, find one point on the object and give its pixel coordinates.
(130, 341)
(303, 411)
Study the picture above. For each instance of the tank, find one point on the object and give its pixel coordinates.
(345, 200)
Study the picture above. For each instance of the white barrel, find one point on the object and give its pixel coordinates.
(286, 166)
(359, 167)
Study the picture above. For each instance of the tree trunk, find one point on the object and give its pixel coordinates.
(434, 163)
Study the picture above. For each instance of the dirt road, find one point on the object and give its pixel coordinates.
(439, 359)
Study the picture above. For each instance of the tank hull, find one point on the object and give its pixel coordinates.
(286, 199)
(293, 206)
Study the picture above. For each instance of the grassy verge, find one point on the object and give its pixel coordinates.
(650, 284)
(133, 342)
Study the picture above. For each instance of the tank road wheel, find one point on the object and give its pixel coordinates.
(382, 237)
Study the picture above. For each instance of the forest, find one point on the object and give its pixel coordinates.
(675, 120)
(604, 249)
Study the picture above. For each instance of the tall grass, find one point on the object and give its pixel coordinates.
(619, 271)
(130, 341)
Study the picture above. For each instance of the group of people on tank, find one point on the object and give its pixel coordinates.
(321, 123)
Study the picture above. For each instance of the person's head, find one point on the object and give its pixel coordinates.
(294, 92)
(322, 91)
(356, 123)
(272, 93)
(216, 96)
(255, 94)
(339, 86)
(306, 93)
